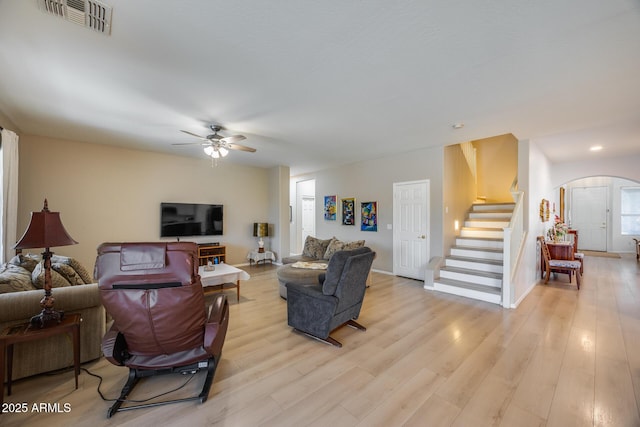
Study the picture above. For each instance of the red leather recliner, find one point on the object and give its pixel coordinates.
(160, 321)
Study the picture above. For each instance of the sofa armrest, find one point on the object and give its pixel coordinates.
(16, 306)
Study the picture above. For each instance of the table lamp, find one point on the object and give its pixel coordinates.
(260, 229)
(45, 230)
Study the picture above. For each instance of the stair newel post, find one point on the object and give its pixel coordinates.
(506, 272)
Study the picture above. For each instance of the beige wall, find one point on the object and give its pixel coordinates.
(373, 180)
(105, 193)
(497, 160)
(458, 195)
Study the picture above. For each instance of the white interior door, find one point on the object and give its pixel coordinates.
(308, 218)
(411, 229)
(589, 217)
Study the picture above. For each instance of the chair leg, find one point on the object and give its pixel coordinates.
(578, 278)
(333, 342)
(212, 364)
(328, 340)
(129, 385)
(356, 325)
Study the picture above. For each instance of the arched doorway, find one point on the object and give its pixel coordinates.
(605, 210)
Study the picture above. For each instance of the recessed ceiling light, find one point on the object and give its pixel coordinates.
(596, 148)
(459, 125)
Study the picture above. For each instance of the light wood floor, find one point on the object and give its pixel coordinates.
(563, 358)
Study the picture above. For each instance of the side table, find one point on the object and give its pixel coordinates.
(70, 324)
(257, 257)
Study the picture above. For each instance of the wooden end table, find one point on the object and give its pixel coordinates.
(70, 324)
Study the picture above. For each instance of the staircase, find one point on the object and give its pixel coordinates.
(474, 268)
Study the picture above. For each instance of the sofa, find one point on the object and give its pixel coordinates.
(320, 250)
(21, 282)
(315, 251)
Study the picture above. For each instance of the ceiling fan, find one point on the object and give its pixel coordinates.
(216, 145)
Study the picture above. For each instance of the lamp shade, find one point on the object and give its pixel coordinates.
(260, 229)
(45, 230)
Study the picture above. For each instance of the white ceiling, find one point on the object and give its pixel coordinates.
(315, 84)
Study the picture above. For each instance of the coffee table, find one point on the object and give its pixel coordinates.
(224, 276)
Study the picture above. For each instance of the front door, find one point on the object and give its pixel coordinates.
(589, 217)
(411, 228)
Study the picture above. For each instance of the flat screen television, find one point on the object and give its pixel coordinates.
(190, 219)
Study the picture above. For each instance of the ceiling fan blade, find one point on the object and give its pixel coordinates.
(240, 148)
(191, 143)
(233, 138)
(193, 134)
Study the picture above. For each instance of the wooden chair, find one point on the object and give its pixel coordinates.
(577, 255)
(559, 265)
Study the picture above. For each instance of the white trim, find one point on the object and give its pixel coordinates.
(9, 196)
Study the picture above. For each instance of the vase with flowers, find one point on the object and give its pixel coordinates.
(558, 232)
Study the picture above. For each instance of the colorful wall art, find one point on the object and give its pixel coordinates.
(330, 207)
(348, 211)
(369, 216)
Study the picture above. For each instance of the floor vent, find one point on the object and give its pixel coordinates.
(88, 13)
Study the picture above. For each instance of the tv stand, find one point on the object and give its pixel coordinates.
(209, 252)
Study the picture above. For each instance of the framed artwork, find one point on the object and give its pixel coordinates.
(544, 210)
(369, 216)
(330, 207)
(348, 211)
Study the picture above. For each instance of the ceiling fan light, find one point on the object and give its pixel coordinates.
(223, 151)
(215, 154)
(208, 150)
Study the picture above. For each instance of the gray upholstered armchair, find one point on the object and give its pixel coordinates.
(319, 309)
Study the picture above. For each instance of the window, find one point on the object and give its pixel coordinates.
(630, 211)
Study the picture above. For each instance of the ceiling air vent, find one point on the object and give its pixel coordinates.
(88, 13)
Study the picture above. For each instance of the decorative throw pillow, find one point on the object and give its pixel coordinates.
(26, 261)
(337, 245)
(354, 245)
(14, 278)
(334, 246)
(68, 273)
(57, 280)
(75, 264)
(315, 248)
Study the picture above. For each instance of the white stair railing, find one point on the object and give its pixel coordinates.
(514, 235)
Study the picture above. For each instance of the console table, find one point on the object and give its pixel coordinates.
(257, 257)
(70, 324)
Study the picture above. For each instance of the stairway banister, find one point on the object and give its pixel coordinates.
(513, 243)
